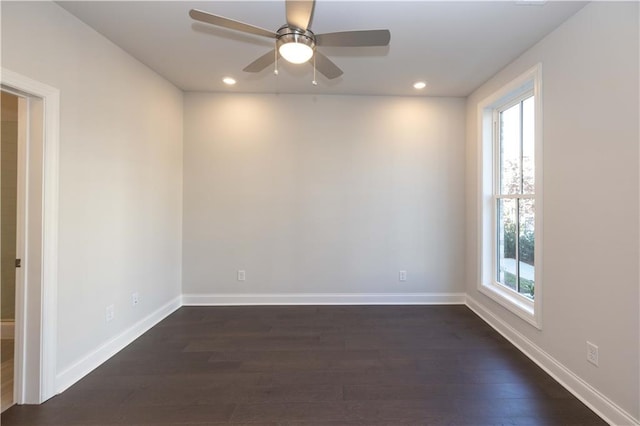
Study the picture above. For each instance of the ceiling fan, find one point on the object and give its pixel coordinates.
(295, 41)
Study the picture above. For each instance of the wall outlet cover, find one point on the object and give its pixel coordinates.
(592, 353)
(110, 313)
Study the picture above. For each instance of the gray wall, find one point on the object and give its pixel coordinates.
(120, 173)
(590, 250)
(323, 194)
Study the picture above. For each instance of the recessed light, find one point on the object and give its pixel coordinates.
(229, 81)
(419, 85)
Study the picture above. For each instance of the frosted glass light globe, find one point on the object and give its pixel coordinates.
(296, 53)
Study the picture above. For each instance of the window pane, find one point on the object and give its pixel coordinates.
(526, 246)
(510, 178)
(528, 146)
(506, 267)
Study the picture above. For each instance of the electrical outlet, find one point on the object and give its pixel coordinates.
(110, 313)
(135, 299)
(242, 275)
(592, 353)
(402, 275)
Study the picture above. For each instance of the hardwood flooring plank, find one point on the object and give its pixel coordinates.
(156, 396)
(286, 356)
(78, 397)
(294, 393)
(53, 415)
(176, 414)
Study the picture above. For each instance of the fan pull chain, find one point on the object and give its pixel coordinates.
(275, 71)
(314, 82)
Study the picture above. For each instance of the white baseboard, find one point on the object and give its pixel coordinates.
(98, 356)
(586, 393)
(324, 299)
(7, 329)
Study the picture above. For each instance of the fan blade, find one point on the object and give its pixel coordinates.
(354, 38)
(326, 67)
(299, 13)
(201, 16)
(262, 62)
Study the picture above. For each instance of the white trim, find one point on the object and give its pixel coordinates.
(95, 358)
(511, 300)
(19, 384)
(586, 393)
(47, 304)
(7, 329)
(324, 299)
(50, 239)
(529, 81)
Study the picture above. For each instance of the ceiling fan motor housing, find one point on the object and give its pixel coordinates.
(287, 34)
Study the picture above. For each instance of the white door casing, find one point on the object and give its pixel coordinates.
(36, 292)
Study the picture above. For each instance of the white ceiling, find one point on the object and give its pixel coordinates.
(453, 46)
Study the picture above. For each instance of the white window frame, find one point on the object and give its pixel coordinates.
(524, 85)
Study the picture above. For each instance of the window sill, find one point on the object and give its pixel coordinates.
(515, 303)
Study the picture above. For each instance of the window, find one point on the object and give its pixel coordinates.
(510, 178)
(515, 196)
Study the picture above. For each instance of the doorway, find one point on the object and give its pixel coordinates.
(10, 129)
(36, 242)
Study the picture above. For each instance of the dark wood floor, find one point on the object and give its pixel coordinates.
(315, 365)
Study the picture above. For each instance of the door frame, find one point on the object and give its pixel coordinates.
(36, 290)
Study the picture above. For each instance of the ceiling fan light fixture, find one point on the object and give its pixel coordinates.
(294, 45)
(295, 52)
